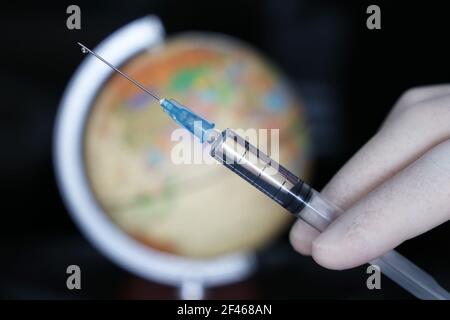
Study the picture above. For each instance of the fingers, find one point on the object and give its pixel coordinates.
(418, 95)
(395, 146)
(412, 202)
(301, 237)
(418, 122)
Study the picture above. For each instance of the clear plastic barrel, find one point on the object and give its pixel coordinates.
(260, 170)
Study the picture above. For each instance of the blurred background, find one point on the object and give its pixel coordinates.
(347, 76)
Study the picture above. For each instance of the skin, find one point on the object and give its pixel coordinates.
(396, 187)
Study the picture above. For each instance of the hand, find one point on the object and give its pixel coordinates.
(393, 189)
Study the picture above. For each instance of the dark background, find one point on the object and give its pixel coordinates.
(349, 76)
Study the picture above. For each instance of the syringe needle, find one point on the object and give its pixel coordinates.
(181, 114)
(85, 49)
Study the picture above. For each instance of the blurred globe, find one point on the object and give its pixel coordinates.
(196, 210)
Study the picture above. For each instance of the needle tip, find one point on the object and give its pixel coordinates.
(84, 49)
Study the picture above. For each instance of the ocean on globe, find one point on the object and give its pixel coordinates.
(195, 210)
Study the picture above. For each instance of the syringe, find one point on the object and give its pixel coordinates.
(285, 188)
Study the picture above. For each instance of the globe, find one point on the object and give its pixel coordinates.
(191, 209)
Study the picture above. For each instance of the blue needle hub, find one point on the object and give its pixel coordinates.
(192, 122)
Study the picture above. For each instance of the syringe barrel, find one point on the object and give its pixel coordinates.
(271, 178)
